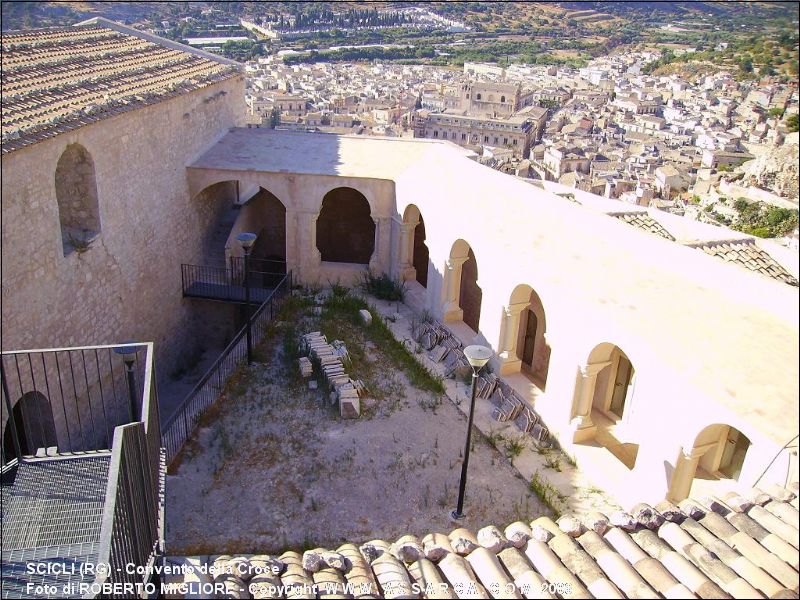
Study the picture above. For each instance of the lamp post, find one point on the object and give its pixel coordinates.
(247, 240)
(477, 356)
(128, 354)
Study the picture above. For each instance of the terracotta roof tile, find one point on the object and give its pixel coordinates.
(747, 254)
(61, 79)
(744, 546)
(645, 222)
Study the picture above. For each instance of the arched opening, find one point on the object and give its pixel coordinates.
(720, 450)
(715, 459)
(608, 383)
(216, 211)
(76, 194)
(345, 229)
(35, 428)
(268, 257)
(413, 249)
(502, 98)
(470, 293)
(420, 258)
(526, 318)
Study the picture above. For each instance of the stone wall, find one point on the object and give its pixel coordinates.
(127, 284)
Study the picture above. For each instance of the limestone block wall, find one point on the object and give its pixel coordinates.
(127, 285)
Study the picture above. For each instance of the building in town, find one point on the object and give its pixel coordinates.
(661, 360)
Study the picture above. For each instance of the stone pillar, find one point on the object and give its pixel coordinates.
(309, 257)
(406, 257)
(396, 237)
(509, 360)
(292, 256)
(452, 285)
(582, 423)
(380, 254)
(685, 470)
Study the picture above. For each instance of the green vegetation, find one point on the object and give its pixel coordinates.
(383, 287)
(548, 494)
(763, 220)
(338, 316)
(792, 123)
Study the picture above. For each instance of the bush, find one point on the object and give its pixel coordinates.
(383, 287)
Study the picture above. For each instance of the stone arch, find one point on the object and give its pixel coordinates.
(345, 228)
(616, 380)
(210, 207)
(605, 401)
(34, 424)
(416, 252)
(464, 295)
(76, 194)
(720, 449)
(268, 218)
(271, 242)
(527, 325)
(718, 452)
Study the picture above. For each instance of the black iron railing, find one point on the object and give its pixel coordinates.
(95, 398)
(71, 398)
(228, 284)
(179, 426)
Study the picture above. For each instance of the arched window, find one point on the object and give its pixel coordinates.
(345, 229)
(76, 193)
(478, 96)
(502, 98)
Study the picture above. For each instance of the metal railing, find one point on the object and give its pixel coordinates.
(71, 398)
(179, 426)
(265, 265)
(226, 283)
(89, 391)
(131, 534)
(264, 272)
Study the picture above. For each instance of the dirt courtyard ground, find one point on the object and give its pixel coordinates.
(273, 466)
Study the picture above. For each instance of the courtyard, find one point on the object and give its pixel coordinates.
(273, 466)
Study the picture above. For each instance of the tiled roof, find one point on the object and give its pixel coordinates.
(746, 253)
(57, 80)
(740, 548)
(644, 221)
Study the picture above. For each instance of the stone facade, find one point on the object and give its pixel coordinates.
(126, 284)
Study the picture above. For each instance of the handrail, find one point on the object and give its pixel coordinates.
(74, 397)
(181, 422)
(66, 382)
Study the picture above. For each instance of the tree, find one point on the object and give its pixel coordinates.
(274, 118)
(746, 64)
(792, 123)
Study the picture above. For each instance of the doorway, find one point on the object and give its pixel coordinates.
(733, 453)
(622, 385)
(529, 343)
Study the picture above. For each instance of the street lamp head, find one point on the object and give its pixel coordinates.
(477, 356)
(247, 240)
(128, 353)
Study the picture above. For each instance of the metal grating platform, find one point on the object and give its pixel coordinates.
(69, 561)
(231, 293)
(52, 516)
